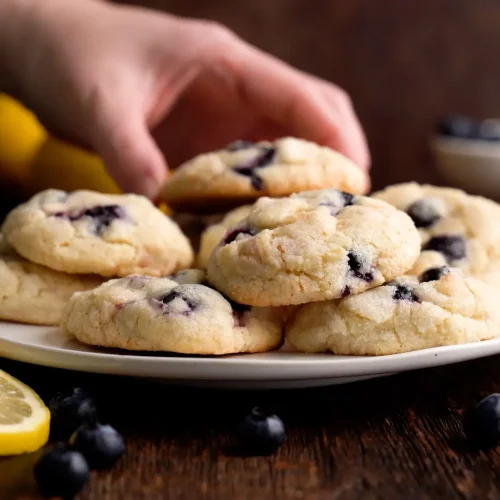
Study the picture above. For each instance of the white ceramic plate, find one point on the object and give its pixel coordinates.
(50, 347)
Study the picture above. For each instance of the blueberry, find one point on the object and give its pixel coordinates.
(101, 215)
(69, 411)
(452, 247)
(402, 292)
(434, 273)
(100, 444)
(423, 213)
(181, 292)
(261, 433)
(458, 126)
(356, 266)
(234, 233)
(239, 145)
(348, 198)
(61, 472)
(482, 423)
(263, 159)
(338, 201)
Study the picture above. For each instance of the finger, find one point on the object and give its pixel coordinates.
(288, 97)
(353, 137)
(128, 150)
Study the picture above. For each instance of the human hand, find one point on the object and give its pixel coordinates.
(147, 90)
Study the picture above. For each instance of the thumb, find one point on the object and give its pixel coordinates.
(129, 152)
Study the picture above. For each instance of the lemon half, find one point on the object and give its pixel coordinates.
(21, 135)
(60, 165)
(24, 418)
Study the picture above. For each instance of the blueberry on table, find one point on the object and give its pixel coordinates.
(70, 411)
(61, 472)
(100, 444)
(458, 126)
(482, 423)
(261, 433)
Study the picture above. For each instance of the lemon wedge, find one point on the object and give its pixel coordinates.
(24, 418)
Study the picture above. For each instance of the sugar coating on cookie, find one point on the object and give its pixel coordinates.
(315, 245)
(180, 314)
(456, 228)
(214, 234)
(443, 307)
(35, 294)
(90, 232)
(244, 171)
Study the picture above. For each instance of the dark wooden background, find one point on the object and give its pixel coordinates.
(404, 63)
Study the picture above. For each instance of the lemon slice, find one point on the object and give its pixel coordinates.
(24, 418)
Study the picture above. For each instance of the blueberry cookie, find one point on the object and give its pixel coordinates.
(443, 307)
(34, 294)
(89, 232)
(244, 171)
(180, 314)
(315, 245)
(456, 228)
(214, 233)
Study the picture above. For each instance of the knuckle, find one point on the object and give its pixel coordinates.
(220, 46)
(343, 97)
(218, 33)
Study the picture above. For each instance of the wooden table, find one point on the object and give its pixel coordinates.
(390, 438)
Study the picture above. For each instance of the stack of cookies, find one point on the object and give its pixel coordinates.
(204, 188)
(292, 248)
(59, 243)
(408, 268)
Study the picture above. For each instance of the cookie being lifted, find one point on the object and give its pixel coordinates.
(315, 245)
(180, 314)
(89, 232)
(443, 307)
(244, 171)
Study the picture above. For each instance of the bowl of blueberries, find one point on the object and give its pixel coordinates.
(467, 154)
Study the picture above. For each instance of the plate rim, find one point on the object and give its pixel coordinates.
(257, 366)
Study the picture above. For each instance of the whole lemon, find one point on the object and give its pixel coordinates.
(21, 135)
(60, 165)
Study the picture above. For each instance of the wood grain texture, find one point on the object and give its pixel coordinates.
(405, 64)
(395, 437)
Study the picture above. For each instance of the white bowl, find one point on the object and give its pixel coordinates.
(471, 165)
